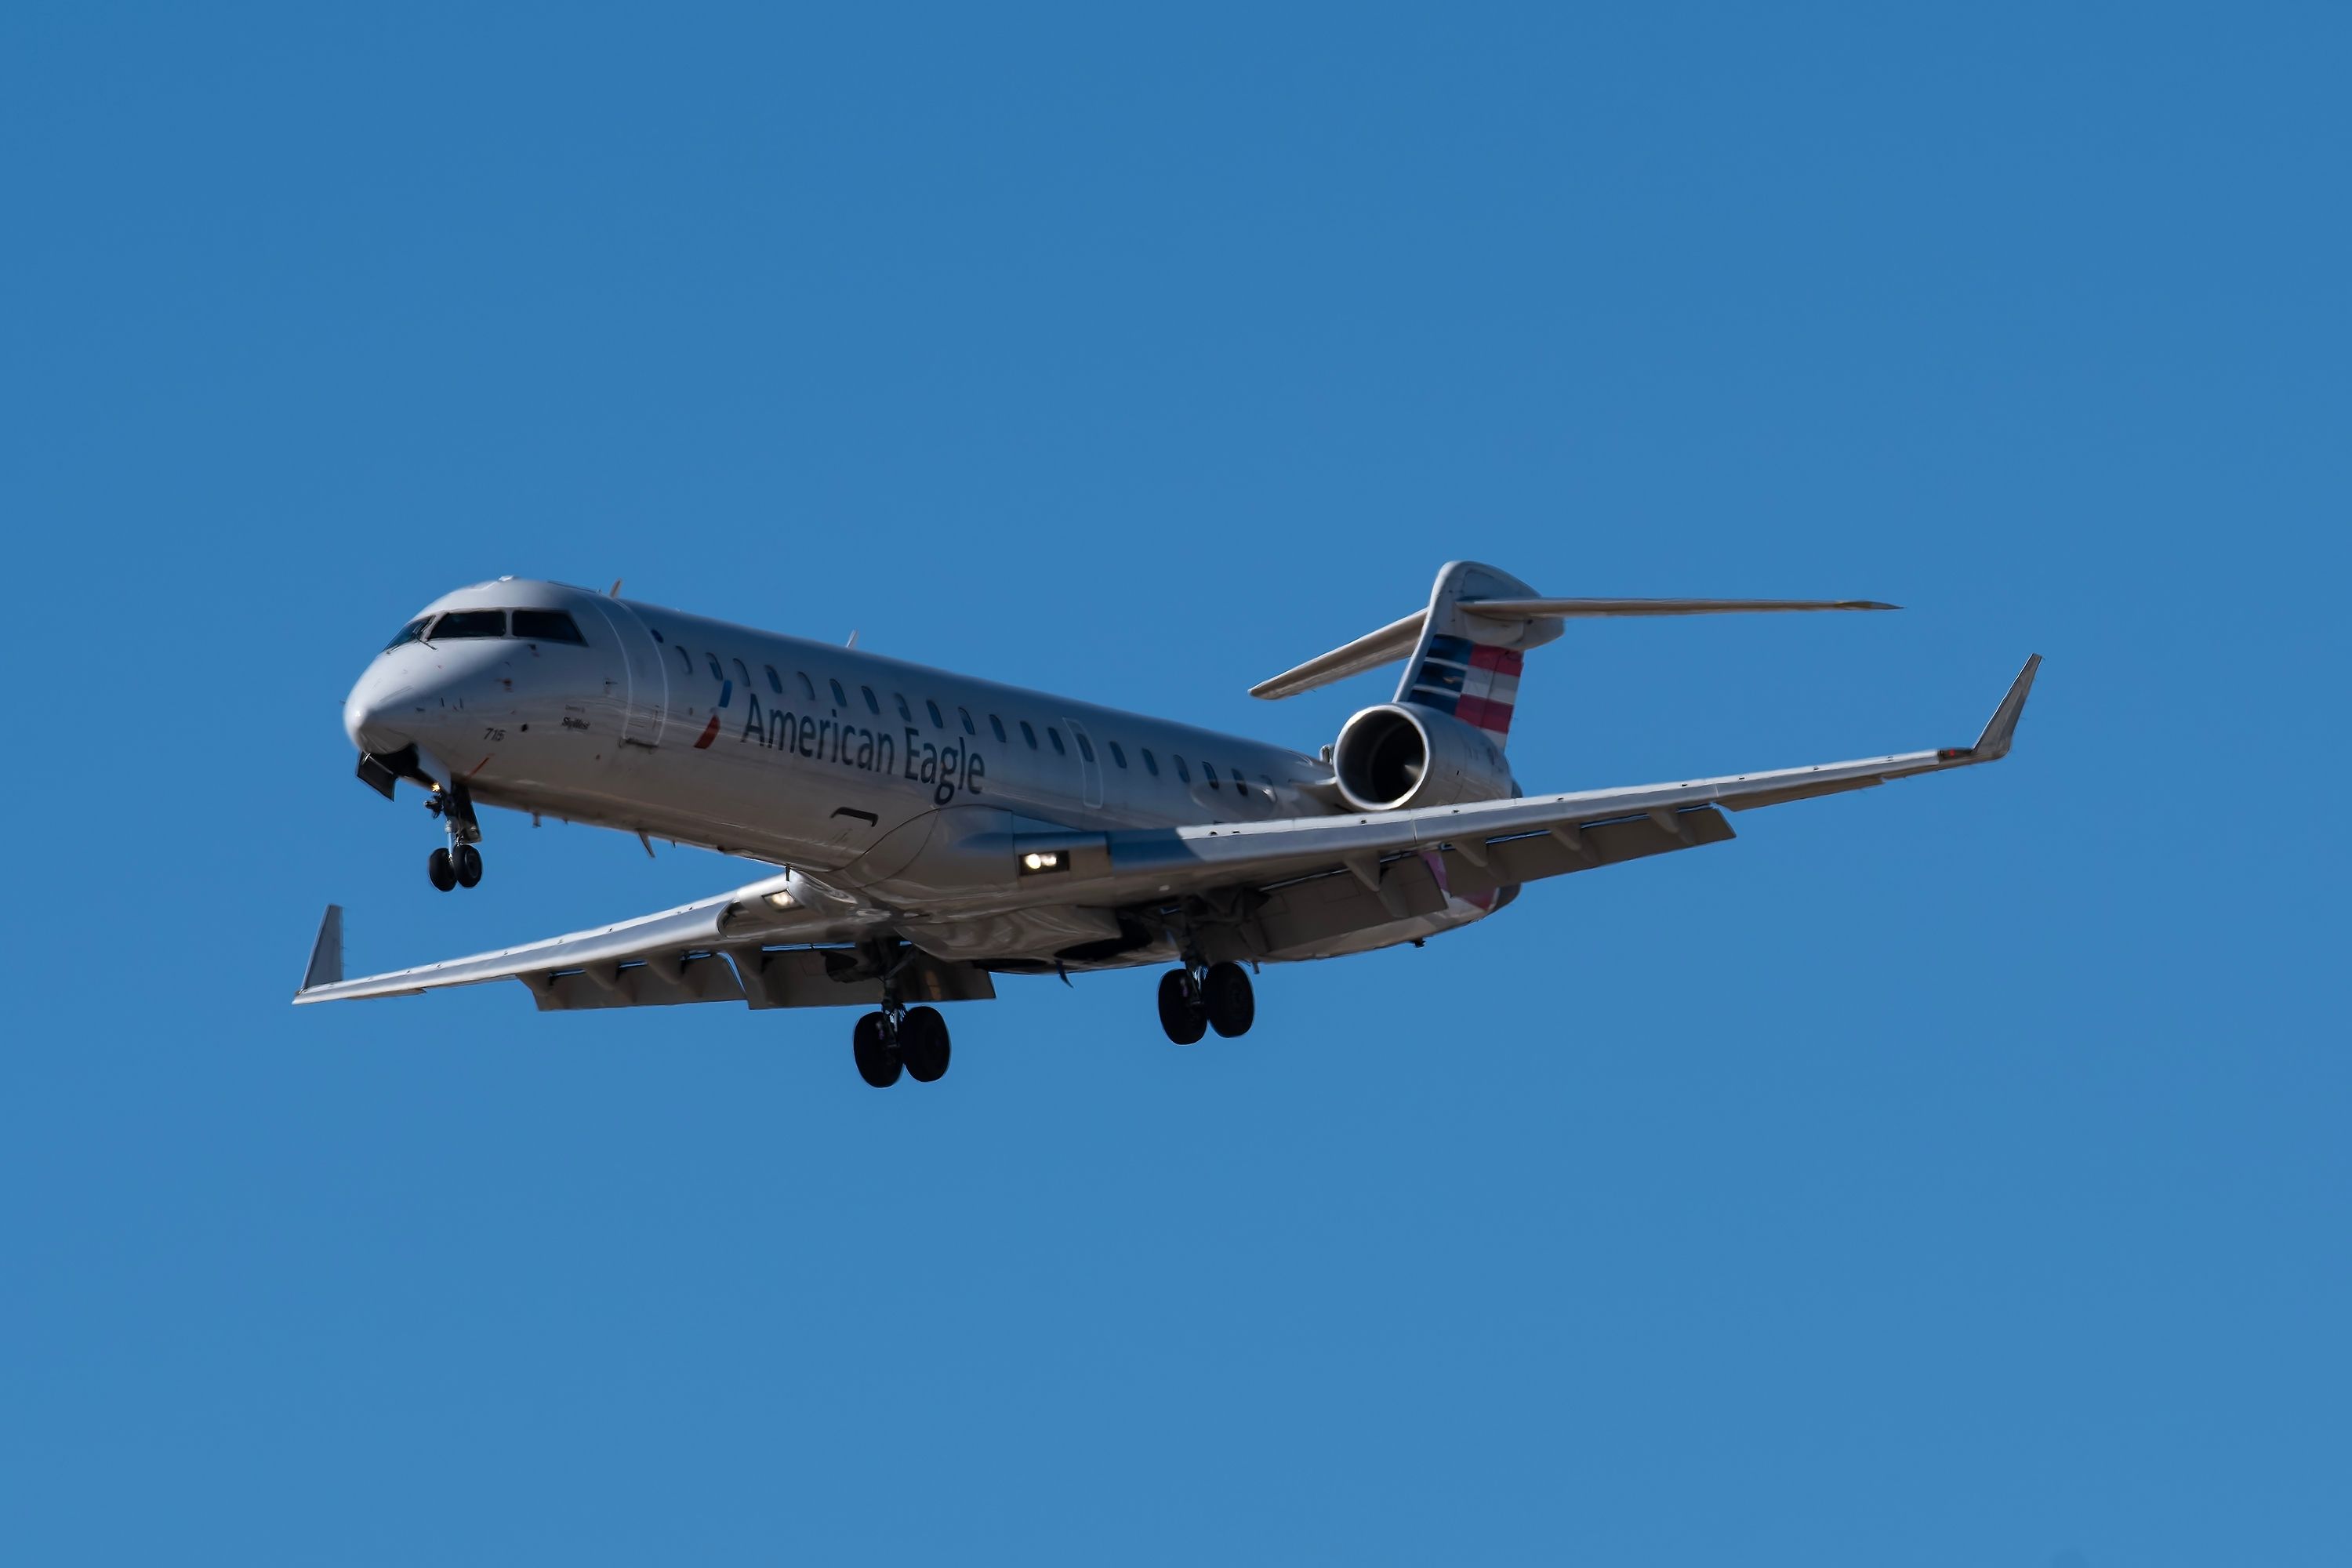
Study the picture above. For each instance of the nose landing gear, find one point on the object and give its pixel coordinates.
(460, 864)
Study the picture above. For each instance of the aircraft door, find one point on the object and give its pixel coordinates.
(1090, 778)
(646, 677)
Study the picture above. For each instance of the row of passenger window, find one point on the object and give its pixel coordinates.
(963, 717)
(531, 626)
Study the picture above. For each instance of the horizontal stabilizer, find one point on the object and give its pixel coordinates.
(1373, 649)
(1572, 609)
(1399, 639)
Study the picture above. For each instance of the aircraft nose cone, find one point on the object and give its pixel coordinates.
(369, 715)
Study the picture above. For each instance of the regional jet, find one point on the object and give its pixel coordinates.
(928, 831)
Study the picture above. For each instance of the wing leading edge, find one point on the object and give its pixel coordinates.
(758, 944)
(1185, 861)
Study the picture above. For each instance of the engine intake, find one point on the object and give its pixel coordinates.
(1401, 755)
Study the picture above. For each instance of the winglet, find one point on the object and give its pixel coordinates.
(327, 952)
(1993, 744)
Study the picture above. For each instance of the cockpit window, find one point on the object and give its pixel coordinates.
(469, 623)
(547, 626)
(413, 632)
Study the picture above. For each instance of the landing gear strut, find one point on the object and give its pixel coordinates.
(1194, 1000)
(899, 1039)
(460, 864)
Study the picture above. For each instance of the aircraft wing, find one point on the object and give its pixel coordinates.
(762, 944)
(1412, 860)
(1302, 882)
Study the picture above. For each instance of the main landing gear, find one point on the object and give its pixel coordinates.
(460, 864)
(912, 1039)
(1194, 1000)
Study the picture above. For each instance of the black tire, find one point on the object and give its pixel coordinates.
(1179, 1013)
(437, 867)
(878, 1062)
(1227, 997)
(469, 863)
(923, 1044)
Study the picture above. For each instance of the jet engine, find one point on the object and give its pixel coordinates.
(1401, 754)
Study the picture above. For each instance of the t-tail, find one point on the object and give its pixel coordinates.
(1463, 653)
(1467, 664)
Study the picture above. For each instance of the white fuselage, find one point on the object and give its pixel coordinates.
(861, 770)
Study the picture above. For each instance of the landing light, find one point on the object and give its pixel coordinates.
(781, 899)
(1042, 861)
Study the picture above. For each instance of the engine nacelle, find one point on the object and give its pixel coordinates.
(1400, 756)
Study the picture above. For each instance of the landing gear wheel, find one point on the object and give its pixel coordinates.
(1227, 997)
(877, 1059)
(1180, 1010)
(923, 1044)
(467, 861)
(437, 867)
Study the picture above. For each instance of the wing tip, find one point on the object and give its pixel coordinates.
(2001, 727)
(326, 966)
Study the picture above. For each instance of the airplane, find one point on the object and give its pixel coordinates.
(931, 831)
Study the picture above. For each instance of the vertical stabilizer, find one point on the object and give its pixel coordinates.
(1466, 664)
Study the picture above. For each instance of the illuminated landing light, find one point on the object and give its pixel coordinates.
(1042, 861)
(782, 900)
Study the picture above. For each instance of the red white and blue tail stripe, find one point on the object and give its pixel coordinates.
(1477, 684)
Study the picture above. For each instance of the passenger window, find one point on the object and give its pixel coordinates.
(840, 698)
(1209, 772)
(548, 625)
(413, 632)
(1028, 734)
(716, 673)
(1084, 749)
(1182, 771)
(1151, 762)
(933, 710)
(1056, 736)
(741, 673)
(965, 714)
(774, 684)
(872, 706)
(807, 686)
(904, 712)
(685, 659)
(997, 725)
(1241, 784)
(1116, 754)
(471, 624)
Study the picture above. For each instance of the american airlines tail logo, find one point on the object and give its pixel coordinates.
(1477, 685)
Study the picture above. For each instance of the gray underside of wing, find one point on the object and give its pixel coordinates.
(733, 948)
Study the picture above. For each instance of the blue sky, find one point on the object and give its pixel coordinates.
(1950, 1175)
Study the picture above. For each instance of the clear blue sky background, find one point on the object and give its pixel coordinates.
(1951, 1174)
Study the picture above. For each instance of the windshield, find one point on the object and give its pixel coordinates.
(413, 632)
(471, 624)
